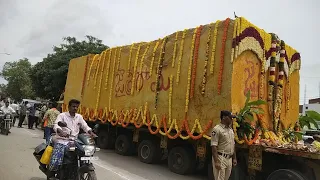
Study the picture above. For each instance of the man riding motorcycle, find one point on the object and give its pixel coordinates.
(74, 122)
(6, 109)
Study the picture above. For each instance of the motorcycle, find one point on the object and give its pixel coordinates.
(76, 161)
(5, 123)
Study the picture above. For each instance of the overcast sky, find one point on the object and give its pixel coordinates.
(31, 28)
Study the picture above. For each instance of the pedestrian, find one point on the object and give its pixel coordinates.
(15, 107)
(23, 113)
(223, 147)
(31, 117)
(50, 116)
(37, 114)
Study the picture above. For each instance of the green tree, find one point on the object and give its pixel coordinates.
(311, 118)
(3, 90)
(49, 76)
(17, 74)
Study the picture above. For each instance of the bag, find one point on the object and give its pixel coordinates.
(46, 156)
(45, 123)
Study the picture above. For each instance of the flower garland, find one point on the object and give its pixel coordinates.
(195, 60)
(234, 35)
(170, 98)
(288, 95)
(112, 78)
(180, 55)
(204, 77)
(95, 77)
(108, 69)
(154, 56)
(213, 50)
(142, 62)
(159, 70)
(224, 38)
(100, 82)
(175, 49)
(189, 69)
(84, 76)
(90, 69)
(235, 125)
(272, 78)
(135, 70)
(119, 57)
(130, 56)
(278, 102)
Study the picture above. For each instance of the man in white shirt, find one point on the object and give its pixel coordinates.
(74, 122)
(15, 107)
(7, 109)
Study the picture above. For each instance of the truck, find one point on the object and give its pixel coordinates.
(161, 99)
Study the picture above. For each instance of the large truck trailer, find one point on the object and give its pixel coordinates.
(161, 99)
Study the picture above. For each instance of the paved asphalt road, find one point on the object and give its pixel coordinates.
(18, 163)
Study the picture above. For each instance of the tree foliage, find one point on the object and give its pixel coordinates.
(309, 119)
(246, 115)
(17, 74)
(49, 76)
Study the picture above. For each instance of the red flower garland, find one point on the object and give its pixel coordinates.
(195, 61)
(224, 39)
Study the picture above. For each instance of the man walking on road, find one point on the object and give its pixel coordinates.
(32, 116)
(223, 147)
(50, 116)
(23, 113)
(15, 107)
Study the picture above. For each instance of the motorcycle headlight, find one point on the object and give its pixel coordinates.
(88, 150)
(8, 117)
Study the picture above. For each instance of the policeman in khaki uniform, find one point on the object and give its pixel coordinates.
(223, 147)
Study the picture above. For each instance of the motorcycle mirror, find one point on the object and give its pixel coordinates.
(62, 124)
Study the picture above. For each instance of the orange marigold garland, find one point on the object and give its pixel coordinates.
(175, 49)
(204, 78)
(84, 76)
(224, 38)
(195, 60)
(189, 70)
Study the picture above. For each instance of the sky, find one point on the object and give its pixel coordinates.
(31, 28)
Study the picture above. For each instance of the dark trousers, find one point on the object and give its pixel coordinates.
(31, 120)
(21, 119)
(48, 131)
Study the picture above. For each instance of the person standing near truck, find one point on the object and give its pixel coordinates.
(50, 116)
(223, 147)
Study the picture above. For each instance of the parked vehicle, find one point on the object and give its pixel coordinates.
(6, 122)
(162, 98)
(77, 159)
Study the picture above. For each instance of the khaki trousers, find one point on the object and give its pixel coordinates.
(226, 167)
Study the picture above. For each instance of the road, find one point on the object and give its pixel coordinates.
(18, 163)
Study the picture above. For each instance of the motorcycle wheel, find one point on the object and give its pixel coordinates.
(91, 175)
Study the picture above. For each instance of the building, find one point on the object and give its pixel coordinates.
(314, 104)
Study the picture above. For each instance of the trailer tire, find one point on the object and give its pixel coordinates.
(285, 174)
(149, 152)
(105, 141)
(182, 160)
(123, 146)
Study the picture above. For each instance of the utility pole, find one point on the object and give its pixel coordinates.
(305, 94)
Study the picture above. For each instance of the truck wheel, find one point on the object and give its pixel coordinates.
(182, 160)
(149, 152)
(105, 141)
(123, 146)
(283, 174)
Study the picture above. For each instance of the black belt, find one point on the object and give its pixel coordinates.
(225, 155)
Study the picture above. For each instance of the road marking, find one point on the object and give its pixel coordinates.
(124, 174)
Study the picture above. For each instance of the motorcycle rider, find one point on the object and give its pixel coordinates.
(74, 122)
(6, 109)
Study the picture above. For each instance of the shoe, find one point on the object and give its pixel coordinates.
(20, 127)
